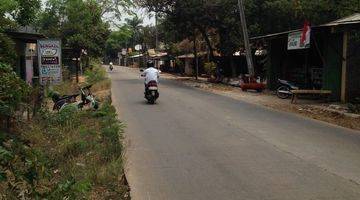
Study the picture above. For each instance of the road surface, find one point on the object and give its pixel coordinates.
(194, 145)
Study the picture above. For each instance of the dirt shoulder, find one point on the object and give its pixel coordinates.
(327, 112)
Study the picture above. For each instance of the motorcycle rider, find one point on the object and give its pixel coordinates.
(111, 67)
(150, 74)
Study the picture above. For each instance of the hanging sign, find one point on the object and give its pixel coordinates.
(49, 54)
(296, 40)
(138, 47)
(124, 52)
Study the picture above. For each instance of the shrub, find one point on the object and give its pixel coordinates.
(67, 155)
(354, 106)
(95, 74)
(14, 92)
(210, 68)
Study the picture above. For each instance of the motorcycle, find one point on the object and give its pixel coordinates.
(285, 88)
(61, 101)
(111, 66)
(87, 98)
(151, 92)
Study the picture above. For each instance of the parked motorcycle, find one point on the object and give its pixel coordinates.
(61, 101)
(87, 98)
(284, 89)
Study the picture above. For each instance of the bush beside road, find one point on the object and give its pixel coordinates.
(67, 155)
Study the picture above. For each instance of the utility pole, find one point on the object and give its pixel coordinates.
(246, 38)
(156, 39)
(156, 32)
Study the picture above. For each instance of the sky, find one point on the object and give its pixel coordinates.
(147, 20)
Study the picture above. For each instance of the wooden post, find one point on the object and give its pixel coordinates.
(77, 69)
(307, 67)
(343, 68)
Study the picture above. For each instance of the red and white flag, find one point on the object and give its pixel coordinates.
(305, 36)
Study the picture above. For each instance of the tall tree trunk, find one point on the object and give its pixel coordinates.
(196, 58)
(208, 42)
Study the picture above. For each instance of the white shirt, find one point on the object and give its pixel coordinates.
(151, 74)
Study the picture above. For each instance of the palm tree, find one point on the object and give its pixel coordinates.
(135, 25)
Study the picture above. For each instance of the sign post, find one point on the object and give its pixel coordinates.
(124, 53)
(49, 61)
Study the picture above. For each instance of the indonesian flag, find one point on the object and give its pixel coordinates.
(305, 36)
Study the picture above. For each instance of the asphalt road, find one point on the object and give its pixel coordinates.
(196, 145)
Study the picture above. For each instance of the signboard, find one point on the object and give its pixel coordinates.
(49, 54)
(124, 52)
(294, 41)
(138, 47)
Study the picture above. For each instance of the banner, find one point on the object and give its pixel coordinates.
(297, 41)
(49, 53)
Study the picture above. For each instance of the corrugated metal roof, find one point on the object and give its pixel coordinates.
(275, 34)
(352, 19)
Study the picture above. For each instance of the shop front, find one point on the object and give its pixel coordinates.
(325, 62)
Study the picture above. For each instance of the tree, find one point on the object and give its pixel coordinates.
(135, 25)
(52, 18)
(112, 10)
(26, 11)
(264, 16)
(90, 32)
(182, 19)
(12, 14)
(78, 23)
(117, 40)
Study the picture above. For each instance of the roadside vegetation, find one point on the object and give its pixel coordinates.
(65, 155)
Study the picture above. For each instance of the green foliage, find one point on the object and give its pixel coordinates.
(118, 40)
(63, 159)
(5, 155)
(95, 74)
(26, 11)
(12, 14)
(7, 50)
(221, 18)
(61, 19)
(210, 68)
(13, 91)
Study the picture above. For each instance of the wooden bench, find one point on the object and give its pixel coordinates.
(296, 93)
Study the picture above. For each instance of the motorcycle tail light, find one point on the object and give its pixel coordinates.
(152, 84)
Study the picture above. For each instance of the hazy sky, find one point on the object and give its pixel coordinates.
(145, 15)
